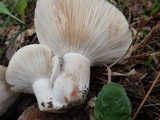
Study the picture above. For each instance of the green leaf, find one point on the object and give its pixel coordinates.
(156, 7)
(20, 7)
(3, 9)
(149, 60)
(112, 103)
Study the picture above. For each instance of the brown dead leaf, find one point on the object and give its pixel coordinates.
(149, 5)
(135, 7)
(138, 76)
(10, 52)
(18, 42)
(29, 32)
(15, 46)
(10, 31)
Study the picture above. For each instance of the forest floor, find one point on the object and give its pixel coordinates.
(142, 87)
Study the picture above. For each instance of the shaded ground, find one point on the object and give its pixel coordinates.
(145, 60)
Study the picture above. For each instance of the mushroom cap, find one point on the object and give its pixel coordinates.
(33, 113)
(93, 28)
(7, 97)
(27, 65)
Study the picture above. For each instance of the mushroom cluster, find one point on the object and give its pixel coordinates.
(76, 34)
(83, 33)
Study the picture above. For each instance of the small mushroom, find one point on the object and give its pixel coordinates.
(33, 113)
(7, 97)
(29, 71)
(83, 33)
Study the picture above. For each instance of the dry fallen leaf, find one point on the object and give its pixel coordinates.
(15, 46)
(18, 42)
(11, 31)
(29, 32)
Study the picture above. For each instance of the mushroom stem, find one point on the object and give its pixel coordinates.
(72, 85)
(44, 94)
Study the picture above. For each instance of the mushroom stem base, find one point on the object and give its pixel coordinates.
(43, 91)
(72, 85)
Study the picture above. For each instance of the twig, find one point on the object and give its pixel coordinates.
(109, 74)
(145, 98)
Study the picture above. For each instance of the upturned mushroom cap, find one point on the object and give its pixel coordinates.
(29, 71)
(7, 97)
(93, 28)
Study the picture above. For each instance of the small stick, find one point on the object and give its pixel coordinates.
(109, 74)
(145, 98)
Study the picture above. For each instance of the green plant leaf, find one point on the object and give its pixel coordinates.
(20, 7)
(112, 103)
(3, 9)
(156, 7)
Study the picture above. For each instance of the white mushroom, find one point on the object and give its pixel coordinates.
(29, 71)
(7, 97)
(83, 33)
